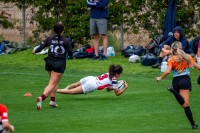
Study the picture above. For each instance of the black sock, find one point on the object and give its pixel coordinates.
(178, 97)
(160, 60)
(188, 113)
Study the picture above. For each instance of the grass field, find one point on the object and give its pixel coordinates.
(145, 107)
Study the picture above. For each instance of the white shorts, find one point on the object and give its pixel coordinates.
(88, 84)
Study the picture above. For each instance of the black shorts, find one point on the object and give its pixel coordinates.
(182, 82)
(56, 65)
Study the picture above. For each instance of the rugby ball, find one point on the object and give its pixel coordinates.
(120, 84)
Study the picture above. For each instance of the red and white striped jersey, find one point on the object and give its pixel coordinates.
(3, 117)
(3, 113)
(103, 81)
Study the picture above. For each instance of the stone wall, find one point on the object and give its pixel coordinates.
(142, 38)
(14, 15)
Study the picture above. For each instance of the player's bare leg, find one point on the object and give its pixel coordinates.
(77, 90)
(74, 85)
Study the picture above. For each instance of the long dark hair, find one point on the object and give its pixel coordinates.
(58, 29)
(114, 69)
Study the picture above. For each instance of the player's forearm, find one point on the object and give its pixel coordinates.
(8, 126)
(119, 92)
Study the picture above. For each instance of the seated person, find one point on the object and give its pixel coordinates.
(198, 53)
(178, 35)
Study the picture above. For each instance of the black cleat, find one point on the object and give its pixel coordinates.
(157, 65)
(194, 126)
(95, 58)
(103, 57)
(170, 88)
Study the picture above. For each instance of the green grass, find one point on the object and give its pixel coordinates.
(145, 107)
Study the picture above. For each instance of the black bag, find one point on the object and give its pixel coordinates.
(148, 59)
(82, 53)
(127, 48)
(134, 50)
(153, 46)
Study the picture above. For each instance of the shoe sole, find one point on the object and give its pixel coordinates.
(53, 106)
(38, 104)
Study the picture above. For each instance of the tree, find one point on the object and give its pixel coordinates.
(134, 14)
(4, 22)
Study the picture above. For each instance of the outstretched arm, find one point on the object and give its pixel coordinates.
(40, 47)
(169, 67)
(119, 92)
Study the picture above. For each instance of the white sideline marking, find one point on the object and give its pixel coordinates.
(17, 73)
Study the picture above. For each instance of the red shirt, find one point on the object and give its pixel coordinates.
(199, 44)
(3, 113)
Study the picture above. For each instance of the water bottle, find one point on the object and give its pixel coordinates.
(110, 51)
(163, 66)
(198, 60)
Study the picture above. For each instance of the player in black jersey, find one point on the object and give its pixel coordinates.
(55, 62)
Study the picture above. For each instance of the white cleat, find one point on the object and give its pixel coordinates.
(39, 103)
(53, 104)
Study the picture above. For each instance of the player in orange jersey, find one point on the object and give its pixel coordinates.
(180, 64)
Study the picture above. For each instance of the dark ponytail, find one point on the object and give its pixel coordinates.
(114, 69)
(59, 50)
(58, 29)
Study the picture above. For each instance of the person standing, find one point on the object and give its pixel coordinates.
(98, 25)
(178, 35)
(180, 64)
(55, 62)
(4, 122)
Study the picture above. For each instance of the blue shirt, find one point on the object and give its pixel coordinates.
(98, 8)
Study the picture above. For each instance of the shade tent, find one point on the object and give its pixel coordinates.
(170, 19)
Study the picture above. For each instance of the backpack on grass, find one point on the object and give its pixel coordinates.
(148, 59)
(134, 50)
